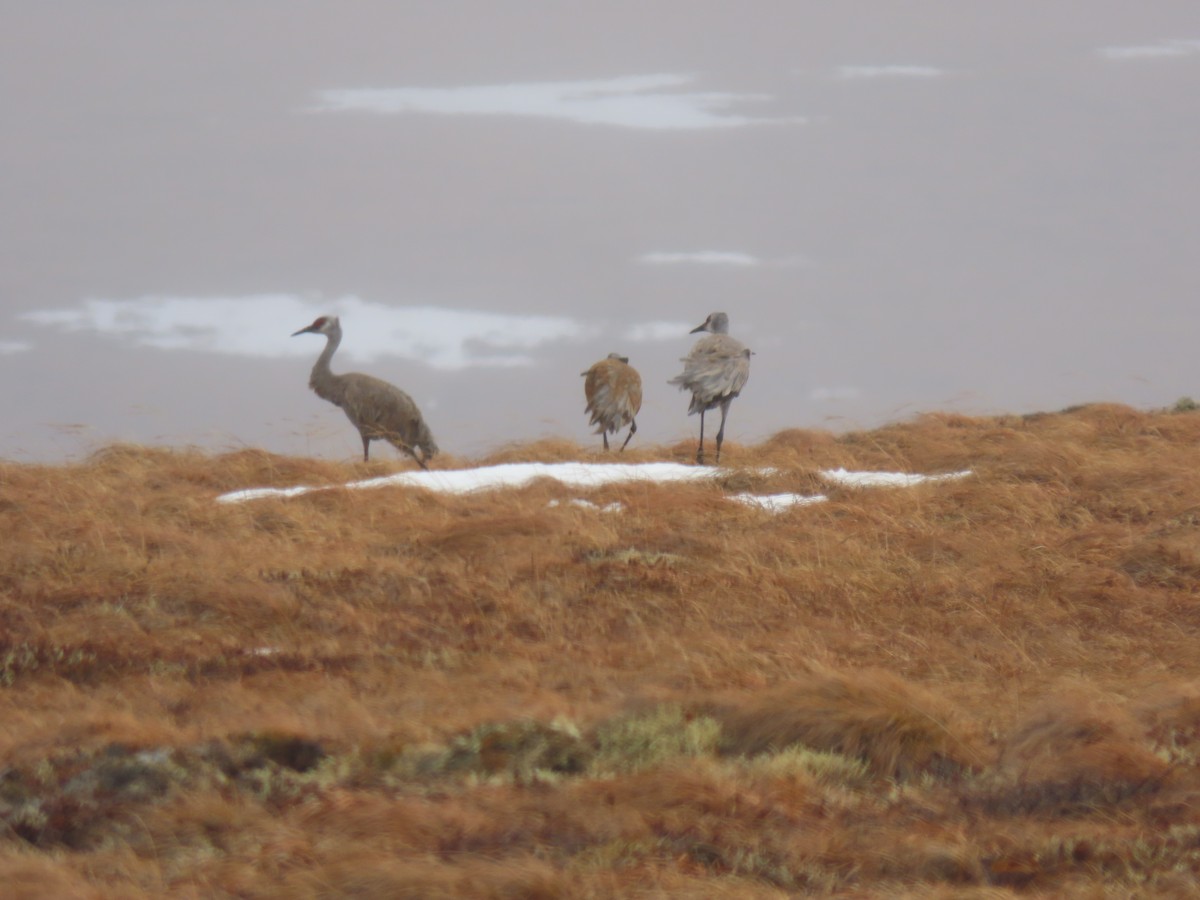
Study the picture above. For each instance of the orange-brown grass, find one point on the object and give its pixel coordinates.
(974, 688)
(897, 728)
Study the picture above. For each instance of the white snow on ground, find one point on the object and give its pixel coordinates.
(778, 502)
(588, 504)
(592, 475)
(509, 475)
(884, 479)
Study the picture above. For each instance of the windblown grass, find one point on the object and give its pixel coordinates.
(972, 688)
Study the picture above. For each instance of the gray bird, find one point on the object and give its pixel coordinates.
(614, 396)
(715, 372)
(377, 409)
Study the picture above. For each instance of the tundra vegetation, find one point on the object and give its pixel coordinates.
(982, 687)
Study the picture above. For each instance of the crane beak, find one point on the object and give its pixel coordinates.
(303, 331)
(702, 327)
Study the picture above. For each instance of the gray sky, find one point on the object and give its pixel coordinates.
(903, 206)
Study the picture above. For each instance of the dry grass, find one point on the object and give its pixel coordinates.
(976, 688)
(898, 729)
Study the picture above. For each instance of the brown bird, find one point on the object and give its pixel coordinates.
(614, 396)
(377, 409)
(715, 372)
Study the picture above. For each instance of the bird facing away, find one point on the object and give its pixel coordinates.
(614, 396)
(377, 409)
(715, 372)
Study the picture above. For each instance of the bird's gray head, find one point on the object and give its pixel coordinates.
(619, 357)
(717, 323)
(322, 325)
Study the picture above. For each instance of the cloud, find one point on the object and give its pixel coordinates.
(261, 325)
(728, 258)
(1161, 50)
(702, 257)
(8, 348)
(657, 331)
(637, 101)
(864, 72)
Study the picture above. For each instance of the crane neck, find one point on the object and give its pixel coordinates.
(322, 380)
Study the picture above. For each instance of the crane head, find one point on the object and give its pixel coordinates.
(717, 323)
(322, 325)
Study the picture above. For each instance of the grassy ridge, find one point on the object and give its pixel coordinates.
(983, 687)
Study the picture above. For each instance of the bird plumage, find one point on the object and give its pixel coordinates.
(715, 371)
(380, 411)
(614, 396)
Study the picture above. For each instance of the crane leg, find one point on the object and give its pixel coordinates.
(632, 430)
(604, 434)
(721, 431)
(366, 448)
(396, 441)
(400, 445)
(700, 449)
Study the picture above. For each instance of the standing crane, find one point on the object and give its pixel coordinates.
(715, 371)
(614, 396)
(378, 410)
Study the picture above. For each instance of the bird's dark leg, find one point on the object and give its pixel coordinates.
(366, 448)
(632, 429)
(394, 439)
(721, 431)
(604, 434)
(404, 448)
(700, 449)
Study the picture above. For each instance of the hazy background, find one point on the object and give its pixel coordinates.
(966, 205)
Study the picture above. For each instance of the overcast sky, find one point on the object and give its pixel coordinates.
(913, 206)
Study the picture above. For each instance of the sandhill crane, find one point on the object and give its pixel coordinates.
(614, 396)
(377, 409)
(715, 371)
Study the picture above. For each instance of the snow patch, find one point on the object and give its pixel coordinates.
(587, 504)
(593, 475)
(509, 475)
(777, 502)
(885, 479)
